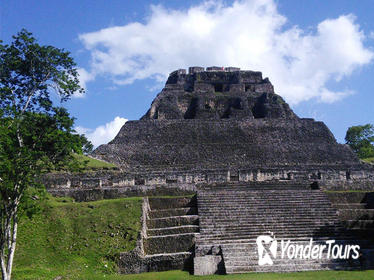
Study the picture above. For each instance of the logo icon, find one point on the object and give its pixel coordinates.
(267, 246)
(267, 249)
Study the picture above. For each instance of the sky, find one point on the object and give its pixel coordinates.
(318, 54)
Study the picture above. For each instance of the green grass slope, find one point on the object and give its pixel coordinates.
(369, 160)
(76, 239)
(94, 164)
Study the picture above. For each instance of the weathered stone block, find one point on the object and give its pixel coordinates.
(195, 69)
(206, 265)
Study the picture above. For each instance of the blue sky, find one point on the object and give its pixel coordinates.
(318, 54)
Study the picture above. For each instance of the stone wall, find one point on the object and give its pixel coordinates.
(226, 144)
(114, 184)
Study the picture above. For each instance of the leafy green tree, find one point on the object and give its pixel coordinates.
(87, 146)
(361, 139)
(35, 135)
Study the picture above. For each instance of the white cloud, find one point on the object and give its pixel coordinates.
(84, 78)
(103, 133)
(250, 34)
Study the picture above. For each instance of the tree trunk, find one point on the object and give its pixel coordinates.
(10, 233)
(4, 275)
(13, 243)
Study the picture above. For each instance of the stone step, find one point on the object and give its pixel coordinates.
(208, 244)
(248, 258)
(161, 213)
(249, 205)
(361, 233)
(359, 224)
(246, 192)
(349, 205)
(261, 195)
(199, 247)
(268, 203)
(240, 236)
(269, 219)
(264, 228)
(269, 224)
(276, 215)
(250, 253)
(273, 216)
(286, 268)
(280, 230)
(260, 210)
(208, 238)
(169, 254)
(173, 230)
(356, 214)
(257, 186)
(172, 243)
(169, 261)
(253, 261)
(255, 230)
(257, 203)
(267, 211)
(257, 191)
(314, 229)
(171, 202)
(268, 186)
(173, 221)
(258, 200)
(245, 246)
(246, 187)
(222, 237)
(205, 222)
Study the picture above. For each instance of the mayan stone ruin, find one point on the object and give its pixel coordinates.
(240, 164)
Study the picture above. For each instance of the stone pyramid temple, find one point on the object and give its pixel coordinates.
(232, 121)
(237, 164)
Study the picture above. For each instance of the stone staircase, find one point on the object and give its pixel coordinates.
(356, 212)
(232, 216)
(171, 226)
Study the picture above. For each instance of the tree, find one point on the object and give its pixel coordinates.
(361, 139)
(35, 135)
